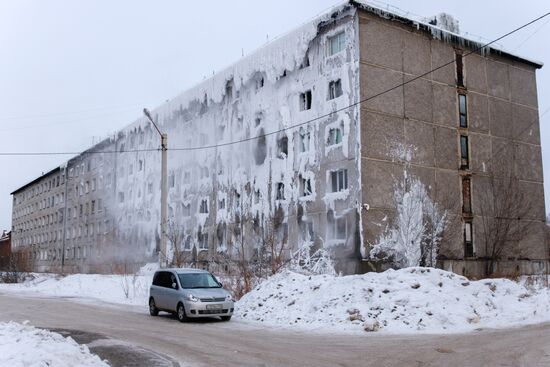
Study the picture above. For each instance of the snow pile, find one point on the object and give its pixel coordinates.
(407, 300)
(120, 289)
(25, 345)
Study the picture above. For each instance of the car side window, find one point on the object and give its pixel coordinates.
(157, 279)
(166, 280)
(173, 280)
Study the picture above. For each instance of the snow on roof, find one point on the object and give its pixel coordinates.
(439, 32)
(287, 52)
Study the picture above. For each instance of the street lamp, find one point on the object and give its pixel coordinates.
(163, 189)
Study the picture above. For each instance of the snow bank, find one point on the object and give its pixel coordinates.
(120, 289)
(402, 301)
(25, 345)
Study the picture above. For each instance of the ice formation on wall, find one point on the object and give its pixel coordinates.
(277, 104)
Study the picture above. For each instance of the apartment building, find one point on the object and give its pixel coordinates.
(312, 139)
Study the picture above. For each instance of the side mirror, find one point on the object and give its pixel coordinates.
(174, 285)
(220, 283)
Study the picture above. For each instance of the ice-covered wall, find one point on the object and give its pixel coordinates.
(244, 157)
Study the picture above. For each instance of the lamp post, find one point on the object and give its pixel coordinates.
(163, 189)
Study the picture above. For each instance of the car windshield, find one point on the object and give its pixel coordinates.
(198, 280)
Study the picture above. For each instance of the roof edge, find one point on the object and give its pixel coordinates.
(36, 180)
(451, 37)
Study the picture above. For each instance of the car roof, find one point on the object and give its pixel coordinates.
(184, 270)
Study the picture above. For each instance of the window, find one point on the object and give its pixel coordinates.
(221, 204)
(150, 187)
(172, 180)
(468, 240)
(462, 110)
(93, 184)
(306, 187)
(259, 82)
(203, 207)
(280, 194)
(203, 241)
(307, 231)
(282, 147)
(140, 165)
(305, 139)
(187, 244)
(466, 195)
(337, 227)
(305, 63)
(336, 43)
(339, 180)
(334, 136)
(187, 210)
(305, 100)
(459, 70)
(120, 197)
(335, 89)
(464, 153)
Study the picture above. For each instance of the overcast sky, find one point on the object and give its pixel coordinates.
(72, 72)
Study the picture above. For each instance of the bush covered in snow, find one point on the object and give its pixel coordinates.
(308, 260)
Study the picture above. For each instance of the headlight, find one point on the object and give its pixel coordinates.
(229, 298)
(192, 298)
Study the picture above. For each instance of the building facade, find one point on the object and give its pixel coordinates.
(5, 250)
(314, 139)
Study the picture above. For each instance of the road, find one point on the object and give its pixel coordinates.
(234, 343)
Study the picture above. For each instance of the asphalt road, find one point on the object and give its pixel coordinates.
(163, 341)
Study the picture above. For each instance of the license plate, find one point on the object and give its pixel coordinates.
(213, 307)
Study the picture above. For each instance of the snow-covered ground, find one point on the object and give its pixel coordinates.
(25, 345)
(404, 301)
(117, 289)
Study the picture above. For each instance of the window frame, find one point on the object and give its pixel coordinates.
(462, 110)
(336, 43)
(464, 152)
(339, 180)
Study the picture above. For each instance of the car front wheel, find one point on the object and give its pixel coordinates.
(182, 316)
(153, 310)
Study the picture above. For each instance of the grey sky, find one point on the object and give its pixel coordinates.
(74, 70)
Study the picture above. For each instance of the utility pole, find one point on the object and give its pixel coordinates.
(163, 189)
(65, 200)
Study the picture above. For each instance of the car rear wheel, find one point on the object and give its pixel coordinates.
(182, 316)
(225, 318)
(153, 310)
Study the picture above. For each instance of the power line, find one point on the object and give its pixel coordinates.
(376, 95)
(55, 114)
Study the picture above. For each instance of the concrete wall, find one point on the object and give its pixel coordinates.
(503, 132)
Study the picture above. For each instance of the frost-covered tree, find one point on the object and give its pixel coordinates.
(413, 237)
(307, 260)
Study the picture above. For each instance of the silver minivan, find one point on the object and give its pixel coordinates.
(189, 293)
